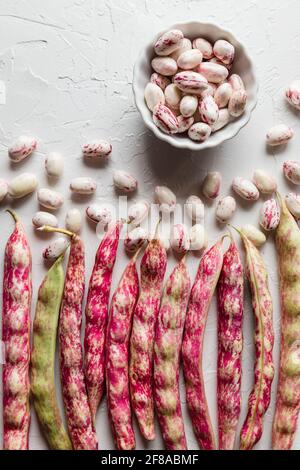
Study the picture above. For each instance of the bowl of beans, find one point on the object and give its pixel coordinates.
(195, 85)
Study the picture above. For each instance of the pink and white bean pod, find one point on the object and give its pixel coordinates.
(199, 132)
(22, 148)
(214, 73)
(168, 42)
(208, 110)
(165, 66)
(279, 135)
(204, 46)
(291, 170)
(269, 215)
(293, 94)
(165, 119)
(224, 51)
(191, 82)
(180, 241)
(245, 189)
(97, 149)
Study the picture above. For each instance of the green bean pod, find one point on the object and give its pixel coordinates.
(43, 357)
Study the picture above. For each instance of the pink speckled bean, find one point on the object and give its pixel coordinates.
(270, 215)
(204, 46)
(160, 80)
(97, 315)
(117, 357)
(230, 345)
(167, 346)
(191, 82)
(279, 135)
(214, 73)
(22, 148)
(236, 82)
(259, 398)
(293, 94)
(17, 292)
(291, 170)
(165, 66)
(184, 123)
(153, 267)
(237, 103)
(245, 189)
(200, 132)
(224, 51)
(165, 119)
(97, 149)
(223, 95)
(288, 391)
(192, 348)
(208, 110)
(168, 42)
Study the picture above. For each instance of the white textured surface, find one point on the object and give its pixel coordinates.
(67, 67)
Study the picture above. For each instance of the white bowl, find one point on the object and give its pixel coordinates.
(243, 66)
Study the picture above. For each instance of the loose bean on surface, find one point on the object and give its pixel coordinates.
(97, 149)
(165, 198)
(194, 208)
(56, 248)
(293, 204)
(73, 220)
(138, 212)
(256, 236)
(22, 185)
(204, 46)
(165, 119)
(224, 51)
(154, 95)
(83, 185)
(188, 105)
(99, 214)
(198, 238)
(44, 218)
(211, 185)
(165, 66)
(50, 199)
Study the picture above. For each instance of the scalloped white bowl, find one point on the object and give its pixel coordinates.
(243, 66)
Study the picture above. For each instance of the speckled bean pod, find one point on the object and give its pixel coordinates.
(230, 344)
(17, 292)
(288, 392)
(43, 358)
(192, 348)
(117, 356)
(153, 267)
(259, 398)
(74, 393)
(97, 316)
(167, 346)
